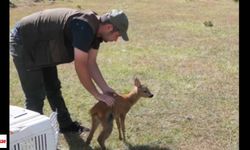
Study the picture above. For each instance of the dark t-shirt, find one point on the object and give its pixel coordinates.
(83, 36)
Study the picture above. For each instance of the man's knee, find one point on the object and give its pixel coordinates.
(35, 101)
(35, 106)
(53, 89)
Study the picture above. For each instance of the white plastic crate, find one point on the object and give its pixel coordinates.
(31, 131)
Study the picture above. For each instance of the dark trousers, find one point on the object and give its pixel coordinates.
(38, 84)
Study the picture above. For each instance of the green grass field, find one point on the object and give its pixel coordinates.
(192, 69)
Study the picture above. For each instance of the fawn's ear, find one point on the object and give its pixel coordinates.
(137, 82)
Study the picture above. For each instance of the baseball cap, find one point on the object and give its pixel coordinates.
(120, 21)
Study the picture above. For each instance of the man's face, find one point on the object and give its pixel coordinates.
(108, 35)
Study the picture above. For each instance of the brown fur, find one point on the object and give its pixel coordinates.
(101, 113)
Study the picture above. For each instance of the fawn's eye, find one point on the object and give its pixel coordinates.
(145, 91)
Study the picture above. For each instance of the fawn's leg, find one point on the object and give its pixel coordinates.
(95, 123)
(123, 125)
(107, 124)
(117, 119)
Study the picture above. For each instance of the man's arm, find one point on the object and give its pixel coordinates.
(82, 69)
(96, 73)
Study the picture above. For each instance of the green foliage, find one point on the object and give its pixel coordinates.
(12, 5)
(208, 23)
(78, 6)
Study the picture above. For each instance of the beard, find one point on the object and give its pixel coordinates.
(106, 36)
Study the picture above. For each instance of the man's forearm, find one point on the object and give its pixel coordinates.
(81, 62)
(97, 76)
(85, 79)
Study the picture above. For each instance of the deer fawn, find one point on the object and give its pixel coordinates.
(105, 115)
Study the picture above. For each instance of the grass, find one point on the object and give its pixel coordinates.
(193, 70)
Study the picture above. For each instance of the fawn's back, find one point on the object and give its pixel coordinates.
(121, 106)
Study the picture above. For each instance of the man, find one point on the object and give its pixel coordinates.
(47, 38)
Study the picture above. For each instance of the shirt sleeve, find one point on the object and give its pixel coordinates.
(82, 35)
(96, 43)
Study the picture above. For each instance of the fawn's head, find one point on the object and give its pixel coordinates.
(142, 90)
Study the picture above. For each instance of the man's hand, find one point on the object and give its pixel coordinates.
(106, 99)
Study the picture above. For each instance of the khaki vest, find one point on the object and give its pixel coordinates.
(46, 38)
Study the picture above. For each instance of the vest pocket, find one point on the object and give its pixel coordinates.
(46, 53)
(50, 52)
(41, 54)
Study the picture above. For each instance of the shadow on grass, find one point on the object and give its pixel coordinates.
(145, 147)
(75, 142)
(99, 148)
